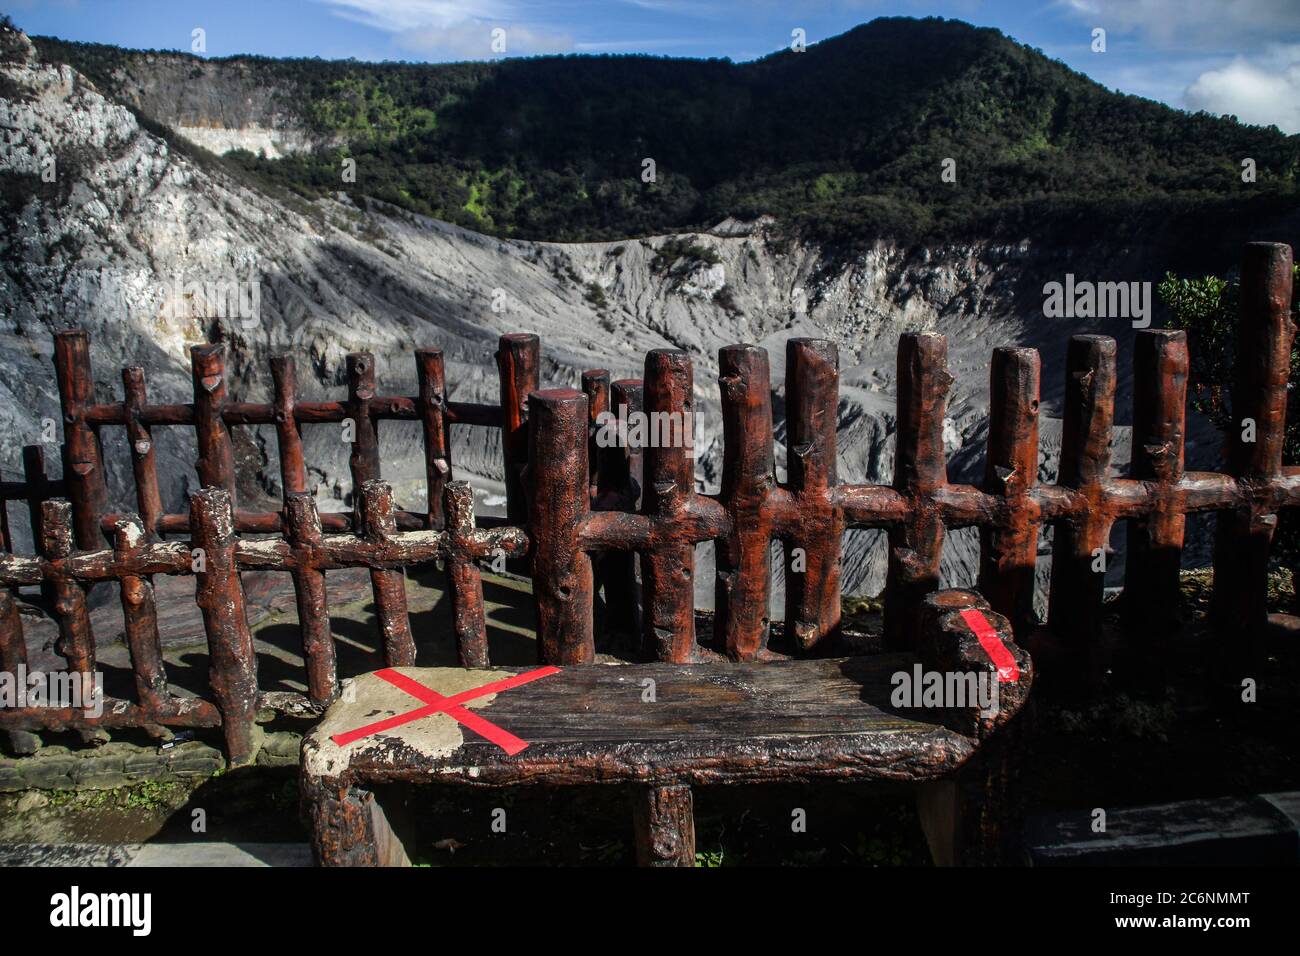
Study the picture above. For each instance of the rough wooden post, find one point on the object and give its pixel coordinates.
(668, 566)
(288, 436)
(974, 817)
(140, 618)
(216, 462)
(812, 554)
(744, 572)
(1080, 545)
(629, 393)
(664, 820)
(1008, 550)
(303, 530)
(617, 489)
(595, 385)
(518, 364)
(380, 524)
(433, 421)
(143, 459)
(76, 643)
(13, 646)
(349, 828)
(232, 664)
(557, 478)
(920, 470)
(466, 582)
(1152, 597)
(83, 464)
(389, 587)
(13, 655)
(364, 459)
(1264, 337)
(38, 488)
(38, 492)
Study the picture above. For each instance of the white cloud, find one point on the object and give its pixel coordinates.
(453, 29)
(1191, 23)
(1263, 90)
(395, 16)
(472, 40)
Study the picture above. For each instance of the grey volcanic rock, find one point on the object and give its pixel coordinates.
(219, 105)
(126, 240)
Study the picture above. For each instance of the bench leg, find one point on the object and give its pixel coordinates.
(939, 807)
(348, 827)
(664, 819)
(973, 818)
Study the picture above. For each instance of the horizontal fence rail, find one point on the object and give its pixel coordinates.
(583, 515)
(809, 512)
(71, 534)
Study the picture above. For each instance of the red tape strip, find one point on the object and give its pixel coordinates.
(438, 704)
(993, 646)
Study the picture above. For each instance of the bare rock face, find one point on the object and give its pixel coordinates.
(153, 248)
(220, 106)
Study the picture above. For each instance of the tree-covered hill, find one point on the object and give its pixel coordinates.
(844, 141)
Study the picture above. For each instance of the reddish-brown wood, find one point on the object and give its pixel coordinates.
(744, 573)
(920, 471)
(216, 464)
(1081, 543)
(232, 665)
(140, 620)
(563, 586)
(1009, 548)
(304, 538)
(1265, 332)
(518, 364)
(437, 438)
(389, 587)
(464, 578)
(668, 566)
(76, 643)
(143, 460)
(293, 466)
(584, 497)
(83, 465)
(1155, 543)
(816, 526)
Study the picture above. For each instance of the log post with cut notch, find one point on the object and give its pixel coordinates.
(1152, 596)
(920, 471)
(1081, 541)
(1244, 534)
(232, 663)
(437, 436)
(744, 572)
(1009, 548)
(563, 583)
(83, 460)
(668, 565)
(812, 548)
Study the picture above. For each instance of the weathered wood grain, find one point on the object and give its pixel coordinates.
(706, 724)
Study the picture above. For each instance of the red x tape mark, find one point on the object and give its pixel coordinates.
(438, 704)
(993, 646)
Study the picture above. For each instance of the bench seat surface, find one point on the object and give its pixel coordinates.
(707, 723)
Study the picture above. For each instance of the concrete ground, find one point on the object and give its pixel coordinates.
(156, 854)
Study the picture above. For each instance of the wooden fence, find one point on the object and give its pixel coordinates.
(571, 497)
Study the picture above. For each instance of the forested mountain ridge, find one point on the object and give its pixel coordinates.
(844, 142)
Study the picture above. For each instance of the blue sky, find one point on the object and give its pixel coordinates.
(1225, 56)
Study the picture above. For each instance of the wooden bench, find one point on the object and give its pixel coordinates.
(661, 728)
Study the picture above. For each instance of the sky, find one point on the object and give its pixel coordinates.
(1240, 57)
